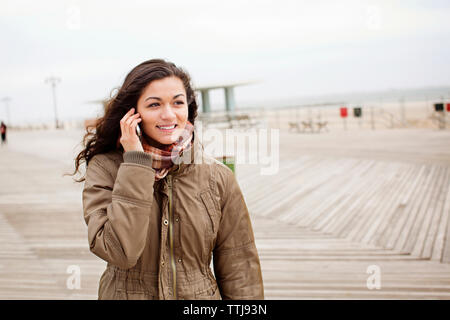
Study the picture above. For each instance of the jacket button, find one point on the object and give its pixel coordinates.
(166, 222)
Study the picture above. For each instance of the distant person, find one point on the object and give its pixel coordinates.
(3, 132)
(157, 220)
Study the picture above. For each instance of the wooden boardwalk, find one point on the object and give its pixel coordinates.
(339, 204)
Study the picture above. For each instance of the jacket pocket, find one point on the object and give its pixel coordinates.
(213, 215)
(135, 289)
(210, 293)
(134, 295)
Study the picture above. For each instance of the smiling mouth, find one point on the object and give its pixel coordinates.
(167, 128)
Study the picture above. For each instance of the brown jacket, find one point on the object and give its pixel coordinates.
(158, 237)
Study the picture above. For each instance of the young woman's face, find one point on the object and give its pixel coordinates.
(164, 110)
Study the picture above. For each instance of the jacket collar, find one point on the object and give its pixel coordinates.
(195, 155)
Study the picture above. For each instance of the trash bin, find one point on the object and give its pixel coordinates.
(357, 112)
(343, 112)
(439, 107)
(229, 161)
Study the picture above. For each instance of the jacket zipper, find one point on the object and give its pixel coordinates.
(172, 258)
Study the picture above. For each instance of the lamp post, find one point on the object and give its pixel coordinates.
(53, 81)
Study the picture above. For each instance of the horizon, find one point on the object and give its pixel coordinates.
(431, 94)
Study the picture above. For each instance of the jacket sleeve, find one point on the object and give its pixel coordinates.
(117, 212)
(236, 262)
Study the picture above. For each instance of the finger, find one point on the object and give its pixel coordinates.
(129, 121)
(127, 115)
(121, 128)
(124, 119)
(134, 125)
(134, 116)
(131, 118)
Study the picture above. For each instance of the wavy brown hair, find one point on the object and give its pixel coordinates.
(107, 129)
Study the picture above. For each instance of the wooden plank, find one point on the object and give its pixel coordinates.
(446, 245)
(266, 204)
(265, 186)
(343, 213)
(330, 194)
(404, 233)
(384, 213)
(380, 201)
(398, 217)
(414, 235)
(294, 203)
(434, 217)
(407, 206)
(359, 218)
(443, 233)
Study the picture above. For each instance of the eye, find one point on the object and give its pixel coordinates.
(153, 105)
(179, 102)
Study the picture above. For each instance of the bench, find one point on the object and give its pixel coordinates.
(321, 125)
(307, 125)
(294, 126)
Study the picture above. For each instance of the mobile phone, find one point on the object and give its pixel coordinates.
(138, 131)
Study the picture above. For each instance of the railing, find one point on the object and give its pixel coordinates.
(323, 118)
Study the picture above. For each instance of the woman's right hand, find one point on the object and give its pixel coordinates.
(129, 139)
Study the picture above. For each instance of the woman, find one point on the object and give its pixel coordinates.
(3, 132)
(158, 208)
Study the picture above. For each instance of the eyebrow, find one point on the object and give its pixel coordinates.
(161, 99)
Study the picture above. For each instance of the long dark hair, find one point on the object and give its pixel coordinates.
(107, 129)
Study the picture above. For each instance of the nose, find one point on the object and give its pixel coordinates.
(167, 113)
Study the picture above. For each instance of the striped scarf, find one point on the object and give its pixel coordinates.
(164, 159)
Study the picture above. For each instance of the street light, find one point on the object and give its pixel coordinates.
(6, 100)
(53, 82)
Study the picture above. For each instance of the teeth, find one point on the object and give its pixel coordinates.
(166, 128)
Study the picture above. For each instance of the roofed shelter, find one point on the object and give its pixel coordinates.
(230, 102)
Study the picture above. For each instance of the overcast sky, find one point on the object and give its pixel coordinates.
(294, 48)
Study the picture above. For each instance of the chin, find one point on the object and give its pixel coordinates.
(168, 139)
